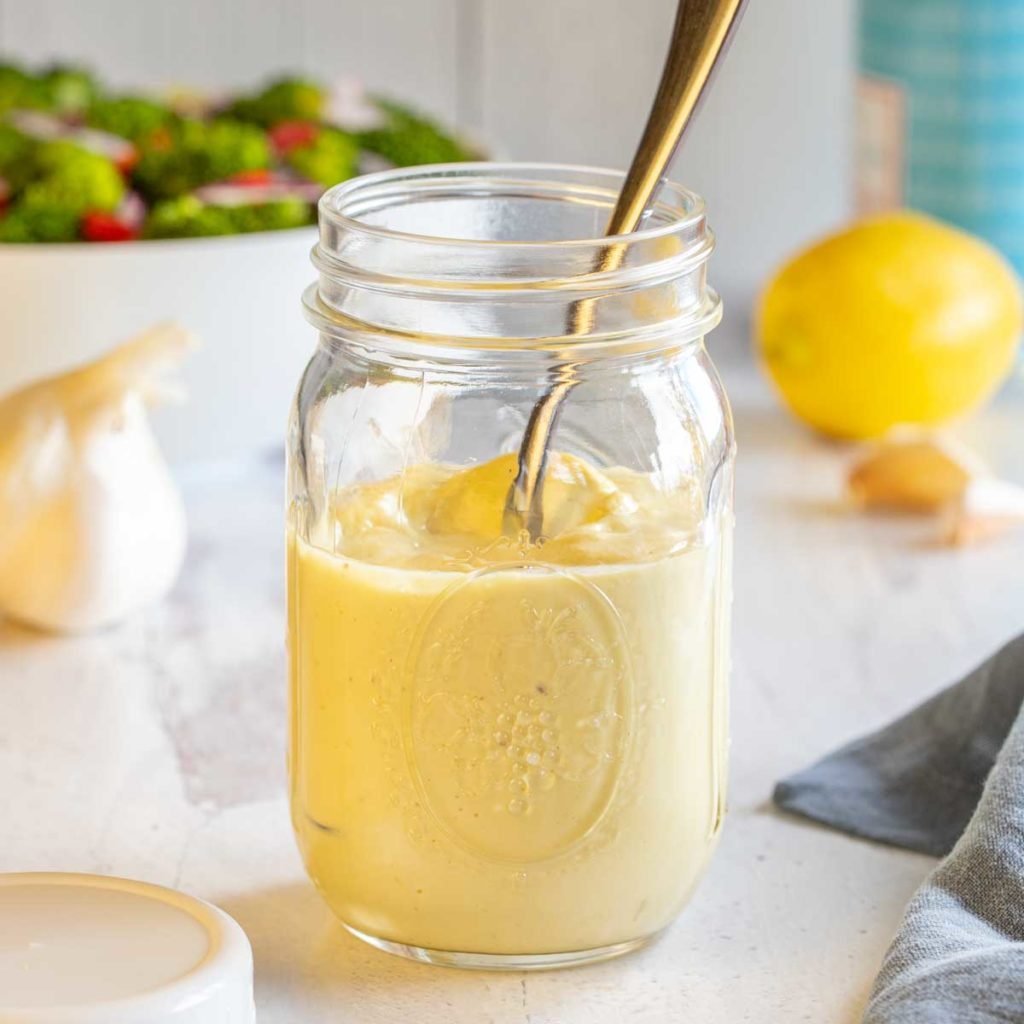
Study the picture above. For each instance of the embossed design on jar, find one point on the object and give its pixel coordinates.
(519, 714)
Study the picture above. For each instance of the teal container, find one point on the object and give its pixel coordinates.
(941, 114)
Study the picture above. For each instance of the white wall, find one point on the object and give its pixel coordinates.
(543, 79)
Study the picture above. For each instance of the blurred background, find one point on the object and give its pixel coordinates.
(821, 113)
(569, 80)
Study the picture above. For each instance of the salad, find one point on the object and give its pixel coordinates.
(80, 163)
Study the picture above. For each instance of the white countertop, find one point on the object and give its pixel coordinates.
(156, 751)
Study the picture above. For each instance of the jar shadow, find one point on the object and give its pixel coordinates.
(302, 953)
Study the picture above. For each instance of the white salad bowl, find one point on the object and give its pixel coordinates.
(62, 305)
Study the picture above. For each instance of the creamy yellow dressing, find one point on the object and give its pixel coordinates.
(500, 747)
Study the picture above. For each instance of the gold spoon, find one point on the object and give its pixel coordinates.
(702, 30)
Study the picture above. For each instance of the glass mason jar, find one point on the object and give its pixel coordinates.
(507, 752)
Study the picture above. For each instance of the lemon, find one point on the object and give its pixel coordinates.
(898, 319)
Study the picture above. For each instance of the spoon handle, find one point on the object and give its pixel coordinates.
(701, 33)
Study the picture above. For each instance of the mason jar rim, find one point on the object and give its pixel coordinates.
(335, 204)
(527, 285)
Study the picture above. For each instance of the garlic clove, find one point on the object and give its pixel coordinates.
(911, 475)
(92, 525)
(931, 475)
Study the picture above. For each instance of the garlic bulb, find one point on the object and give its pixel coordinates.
(92, 525)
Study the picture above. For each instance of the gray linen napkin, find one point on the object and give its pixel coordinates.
(920, 783)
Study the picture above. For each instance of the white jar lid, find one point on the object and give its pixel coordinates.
(93, 950)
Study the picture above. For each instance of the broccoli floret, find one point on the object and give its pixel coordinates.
(38, 224)
(54, 183)
(407, 139)
(273, 216)
(58, 183)
(331, 157)
(62, 90)
(287, 99)
(69, 90)
(19, 90)
(199, 152)
(66, 177)
(185, 217)
(15, 153)
(131, 117)
(190, 217)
